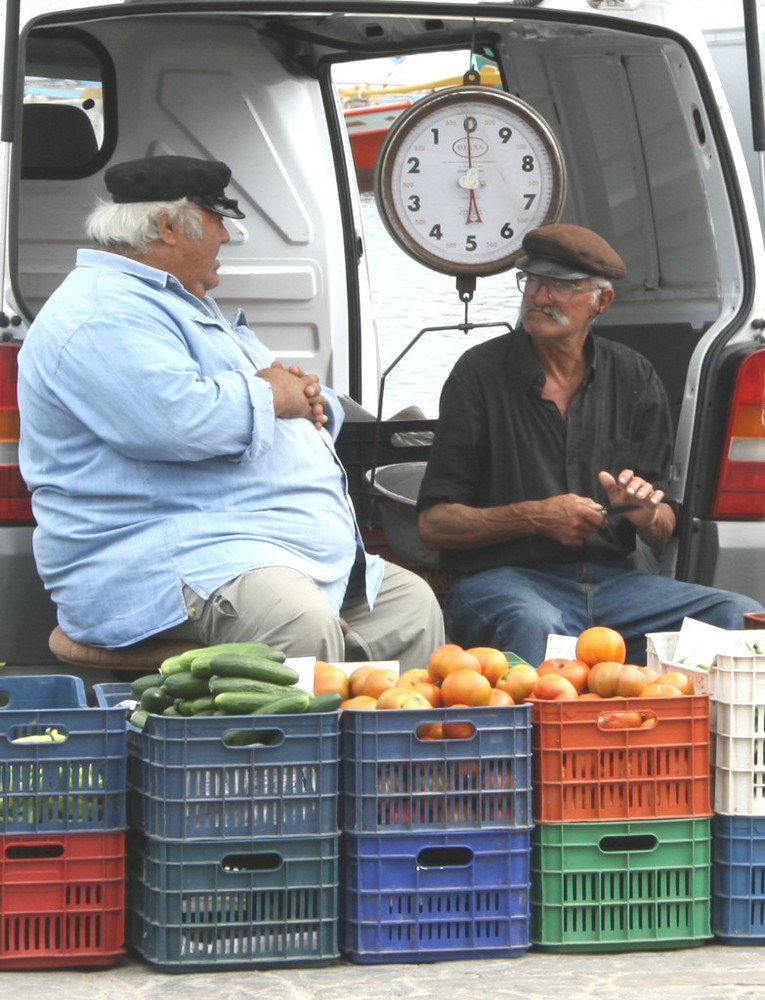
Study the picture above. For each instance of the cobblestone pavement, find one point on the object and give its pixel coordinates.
(709, 972)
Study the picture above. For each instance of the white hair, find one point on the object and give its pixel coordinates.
(135, 225)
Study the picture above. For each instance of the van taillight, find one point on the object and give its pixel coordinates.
(741, 483)
(15, 502)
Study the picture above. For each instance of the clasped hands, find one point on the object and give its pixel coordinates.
(295, 393)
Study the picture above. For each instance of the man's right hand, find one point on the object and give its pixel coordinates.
(295, 393)
(568, 518)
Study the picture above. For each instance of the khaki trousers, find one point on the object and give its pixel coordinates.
(287, 610)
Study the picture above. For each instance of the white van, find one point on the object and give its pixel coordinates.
(652, 162)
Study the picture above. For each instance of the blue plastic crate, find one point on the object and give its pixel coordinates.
(258, 903)
(738, 879)
(186, 782)
(437, 896)
(72, 785)
(392, 780)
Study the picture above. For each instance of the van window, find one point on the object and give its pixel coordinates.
(67, 84)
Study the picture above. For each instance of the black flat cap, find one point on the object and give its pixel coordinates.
(569, 252)
(168, 178)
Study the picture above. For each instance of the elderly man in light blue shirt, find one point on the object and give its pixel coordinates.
(183, 480)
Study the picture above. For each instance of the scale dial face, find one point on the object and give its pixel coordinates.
(464, 174)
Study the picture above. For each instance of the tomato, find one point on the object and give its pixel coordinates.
(551, 666)
(379, 679)
(681, 681)
(430, 731)
(649, 673)
(499, 697)
(462, 730)
(493, 662)
(620, 720)
(576, 671)
(596, 644)
(431, 691)
(450, 657)
(409, 678)
(519, 681)
(603, 678)
(629, 682)
(357, 677)
(661, 691)
(327, 677)
(395, 697)
(553, 687)
(465, 687)
(360, 702)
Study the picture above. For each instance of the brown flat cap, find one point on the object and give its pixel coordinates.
(569, 252)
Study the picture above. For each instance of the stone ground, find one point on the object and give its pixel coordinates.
(709, 972)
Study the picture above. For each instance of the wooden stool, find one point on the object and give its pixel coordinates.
(141, 658)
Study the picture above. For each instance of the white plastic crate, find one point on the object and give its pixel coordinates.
(739, 759)
(660, 650)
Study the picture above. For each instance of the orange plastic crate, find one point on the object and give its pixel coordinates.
(584, 771)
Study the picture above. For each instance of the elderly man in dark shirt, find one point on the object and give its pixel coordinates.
(542, 433)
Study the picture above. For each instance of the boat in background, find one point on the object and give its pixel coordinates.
(371, 110)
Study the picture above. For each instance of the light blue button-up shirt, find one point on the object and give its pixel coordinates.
(155, 459)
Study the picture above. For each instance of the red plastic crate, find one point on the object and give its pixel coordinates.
(585, 771)
(62, 900)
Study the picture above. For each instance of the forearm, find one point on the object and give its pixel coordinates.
(457, 526)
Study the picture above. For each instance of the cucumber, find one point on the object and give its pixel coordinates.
(197, 706)
(219, 684)
(289, 704)
(252, 737)
(256, 668)
(155, 699)
(140, 684)
(171, 665)
(327, 702)
(185, 685)
(242, 702)
(171, 711)
(138, 718)
(206, 653)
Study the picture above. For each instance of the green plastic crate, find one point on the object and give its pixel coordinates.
(621, 886)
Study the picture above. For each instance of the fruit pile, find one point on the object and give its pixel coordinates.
(483, 675)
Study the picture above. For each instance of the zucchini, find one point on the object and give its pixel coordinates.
(206, 653)
(289, 704)
(242, 702)
(327, 702)
(155, 699)
(256, 668)
(185, 685)
(140, 684)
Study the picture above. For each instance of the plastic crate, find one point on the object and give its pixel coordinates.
(62, 900)
(621, 886)
(430, 897)
(738, 879)
(732, 679)
(739, 759)
(392, 780)
(660, 648)
(73, 785)
(185, 781)
(263, 903)
(585, 772)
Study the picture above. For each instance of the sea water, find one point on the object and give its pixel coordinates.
(408, 297)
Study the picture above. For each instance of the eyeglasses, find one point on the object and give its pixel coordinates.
(556, 287)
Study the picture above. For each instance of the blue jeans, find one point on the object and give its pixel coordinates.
(516, 607)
